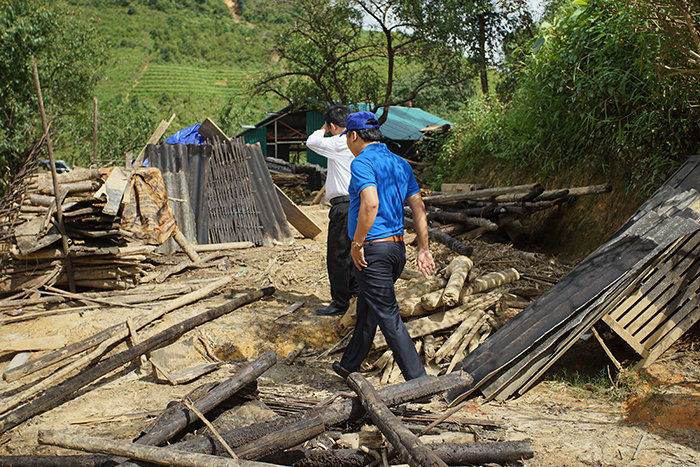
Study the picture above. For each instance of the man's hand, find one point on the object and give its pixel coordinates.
(426, 265)
(358, 257)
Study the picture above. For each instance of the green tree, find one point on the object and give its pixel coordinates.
(353, 51)
(589, 97)
(68, 57)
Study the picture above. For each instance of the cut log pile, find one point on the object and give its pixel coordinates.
(469, 211)
(451, 313)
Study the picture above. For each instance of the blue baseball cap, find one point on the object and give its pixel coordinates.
(361, 121)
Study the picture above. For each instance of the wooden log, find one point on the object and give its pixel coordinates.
(306, 429)
(213, 398)
(441, 320)
(501, 452)
(223, 246)
(458, 270)
(463, 218)
(74, 187)
(337, 413)
(453, 244)
(480, 453)
(421, 288)
(450, 345)
(520, 197)
(121, 330)
(432, 300)
(186, 246)
(63, 392)
(412, 307)
(295, 353)
(488, 193)
(492, 280)
(550, 195)
(83, 460)
(151, 454)
(408, 445)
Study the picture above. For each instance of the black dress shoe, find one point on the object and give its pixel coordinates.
(342, 372)
(331, 310)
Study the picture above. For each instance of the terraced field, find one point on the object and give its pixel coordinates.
(187, 80)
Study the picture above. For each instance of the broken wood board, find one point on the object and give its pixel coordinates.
(36, 343)
(295, 216)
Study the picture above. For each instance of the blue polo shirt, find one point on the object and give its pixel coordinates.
(392, 177)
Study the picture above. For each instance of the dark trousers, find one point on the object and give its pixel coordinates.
(377, 306)
(338, 259)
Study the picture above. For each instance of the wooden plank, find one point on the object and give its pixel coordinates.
(209, 130)
(663, 292)
(692, 317)
(627, 337)
(689, 297)
(295, 216)
(160, 130)
(37, 343)
(659, 312)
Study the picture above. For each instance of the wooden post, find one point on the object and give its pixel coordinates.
(410, 447)
(54, 177)
(94, 134)
(160, 456)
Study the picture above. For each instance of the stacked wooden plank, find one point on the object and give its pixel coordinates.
(108, 215)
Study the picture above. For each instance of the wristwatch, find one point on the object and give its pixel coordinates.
(356, 246)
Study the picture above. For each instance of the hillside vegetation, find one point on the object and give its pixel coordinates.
(603, 91)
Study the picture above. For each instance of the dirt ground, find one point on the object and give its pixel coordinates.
(645, 420)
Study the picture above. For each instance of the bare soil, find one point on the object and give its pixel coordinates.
(650, 419)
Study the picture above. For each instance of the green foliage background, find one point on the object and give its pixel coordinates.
(585, 97)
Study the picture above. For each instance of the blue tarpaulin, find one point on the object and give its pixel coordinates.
(188, 135)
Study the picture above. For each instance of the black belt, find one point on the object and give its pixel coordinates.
(340, 199)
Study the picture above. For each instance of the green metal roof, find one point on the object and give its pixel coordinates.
(405, 123)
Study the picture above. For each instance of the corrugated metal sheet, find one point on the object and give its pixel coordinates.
(258, 135)
(405, 123)
(193, 160)
(314, 121)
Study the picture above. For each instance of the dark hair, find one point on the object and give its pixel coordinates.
(338, 115)
(370, 134)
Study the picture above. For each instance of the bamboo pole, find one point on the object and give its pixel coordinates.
(56, 186)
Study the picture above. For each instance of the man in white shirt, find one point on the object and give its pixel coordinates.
(338, 259)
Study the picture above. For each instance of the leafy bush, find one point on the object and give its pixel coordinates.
(587, 96)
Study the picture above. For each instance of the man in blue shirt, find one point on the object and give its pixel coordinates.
(380, 185)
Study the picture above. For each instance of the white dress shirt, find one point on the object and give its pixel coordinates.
(335, 149)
